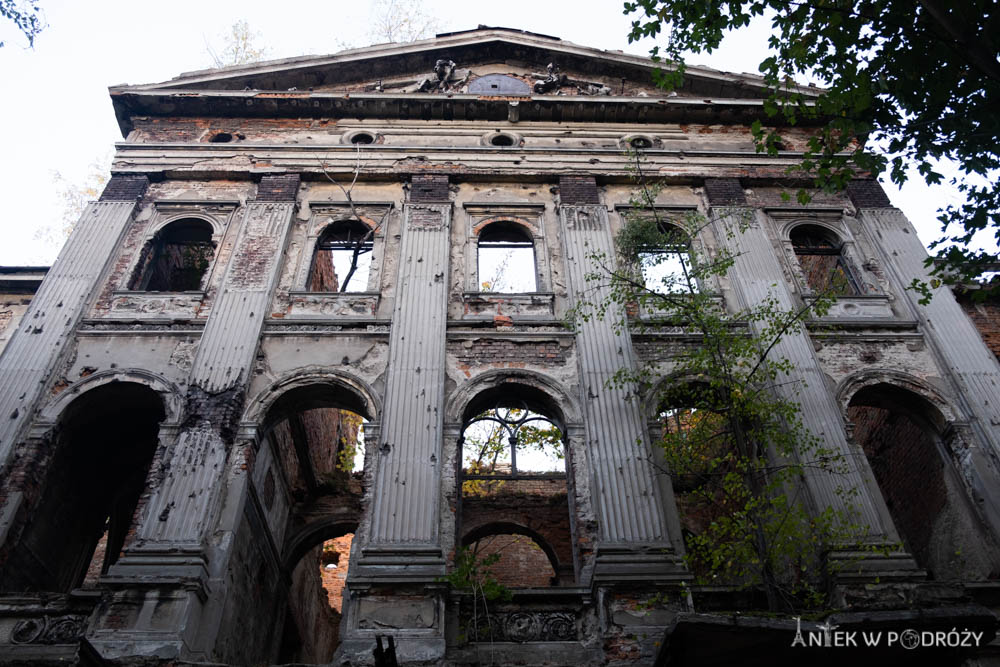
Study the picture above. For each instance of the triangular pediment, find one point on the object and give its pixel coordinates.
(484, 52)
(475, 75)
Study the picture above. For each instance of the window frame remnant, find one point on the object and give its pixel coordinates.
(188, 239)
(512, 237)
(347, 239)
(654, 270)
(811, 243)
(505, 415)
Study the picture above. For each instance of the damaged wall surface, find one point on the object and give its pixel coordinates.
(243, 414)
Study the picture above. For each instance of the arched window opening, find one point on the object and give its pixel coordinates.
(343, 258)
(695, 443)
(899, 433)
(514, 489)
(506, 255)
(104, 445)
(177, 258)
(317, 435)
(821, 258)
(665, 262)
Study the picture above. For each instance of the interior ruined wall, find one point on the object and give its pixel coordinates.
(318, 626)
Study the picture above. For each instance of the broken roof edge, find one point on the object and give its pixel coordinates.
(444, 41)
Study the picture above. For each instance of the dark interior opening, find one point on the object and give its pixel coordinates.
(177, 258)
(104, 445)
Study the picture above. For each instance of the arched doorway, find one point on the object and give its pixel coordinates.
(514, 500)
(316, 434)
(901, 433)
(104, 443)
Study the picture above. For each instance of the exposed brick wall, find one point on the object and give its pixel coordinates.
(282, 188)
(985, 316)
(538, 505)
(486, 351)
(724, 192)
(429, 188)
(909, 472)
(125, 188)
(317, 626)
(653, 349)
(578, 190)
(522, 562)
(176, 129)
(867, 193)
(336, 552)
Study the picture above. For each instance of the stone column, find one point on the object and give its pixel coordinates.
(755, 275)
(634, 540)
(402, 536)
(182, 548)
(62, 300)
(393, 582)
(969, 366)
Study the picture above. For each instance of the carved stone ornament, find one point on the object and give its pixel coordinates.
(553, 80)
(526, 626)
(48, 630)
(446, 77)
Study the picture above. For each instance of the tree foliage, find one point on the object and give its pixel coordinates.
(26, 15)
(74, 195)
(401, 21)
(920, 81)
(241, 45)
(732, 438)
(490, 438)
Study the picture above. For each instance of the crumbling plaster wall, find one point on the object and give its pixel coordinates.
(321, 203)
(12, 309)
(576, 136)
(165, 202)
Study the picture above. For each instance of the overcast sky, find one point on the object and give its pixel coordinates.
(57, 116)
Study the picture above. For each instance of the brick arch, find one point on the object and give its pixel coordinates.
(652, 398)
(837, 231)
(314, 533)
(530, 230)
(100, 456)
(566, 409)
(510, 528)
(900, 425)
(325, 383)
(941, 413)
(169, 393)
(363, 219)
(218, 226)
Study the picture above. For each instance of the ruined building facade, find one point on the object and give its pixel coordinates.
(182, 404)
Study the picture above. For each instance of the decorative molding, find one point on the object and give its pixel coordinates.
(525, 626)
(64, 629)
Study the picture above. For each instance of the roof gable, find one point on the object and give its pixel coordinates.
(474, 53)
(537, 78)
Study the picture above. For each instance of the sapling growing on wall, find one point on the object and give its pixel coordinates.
(730, 434)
